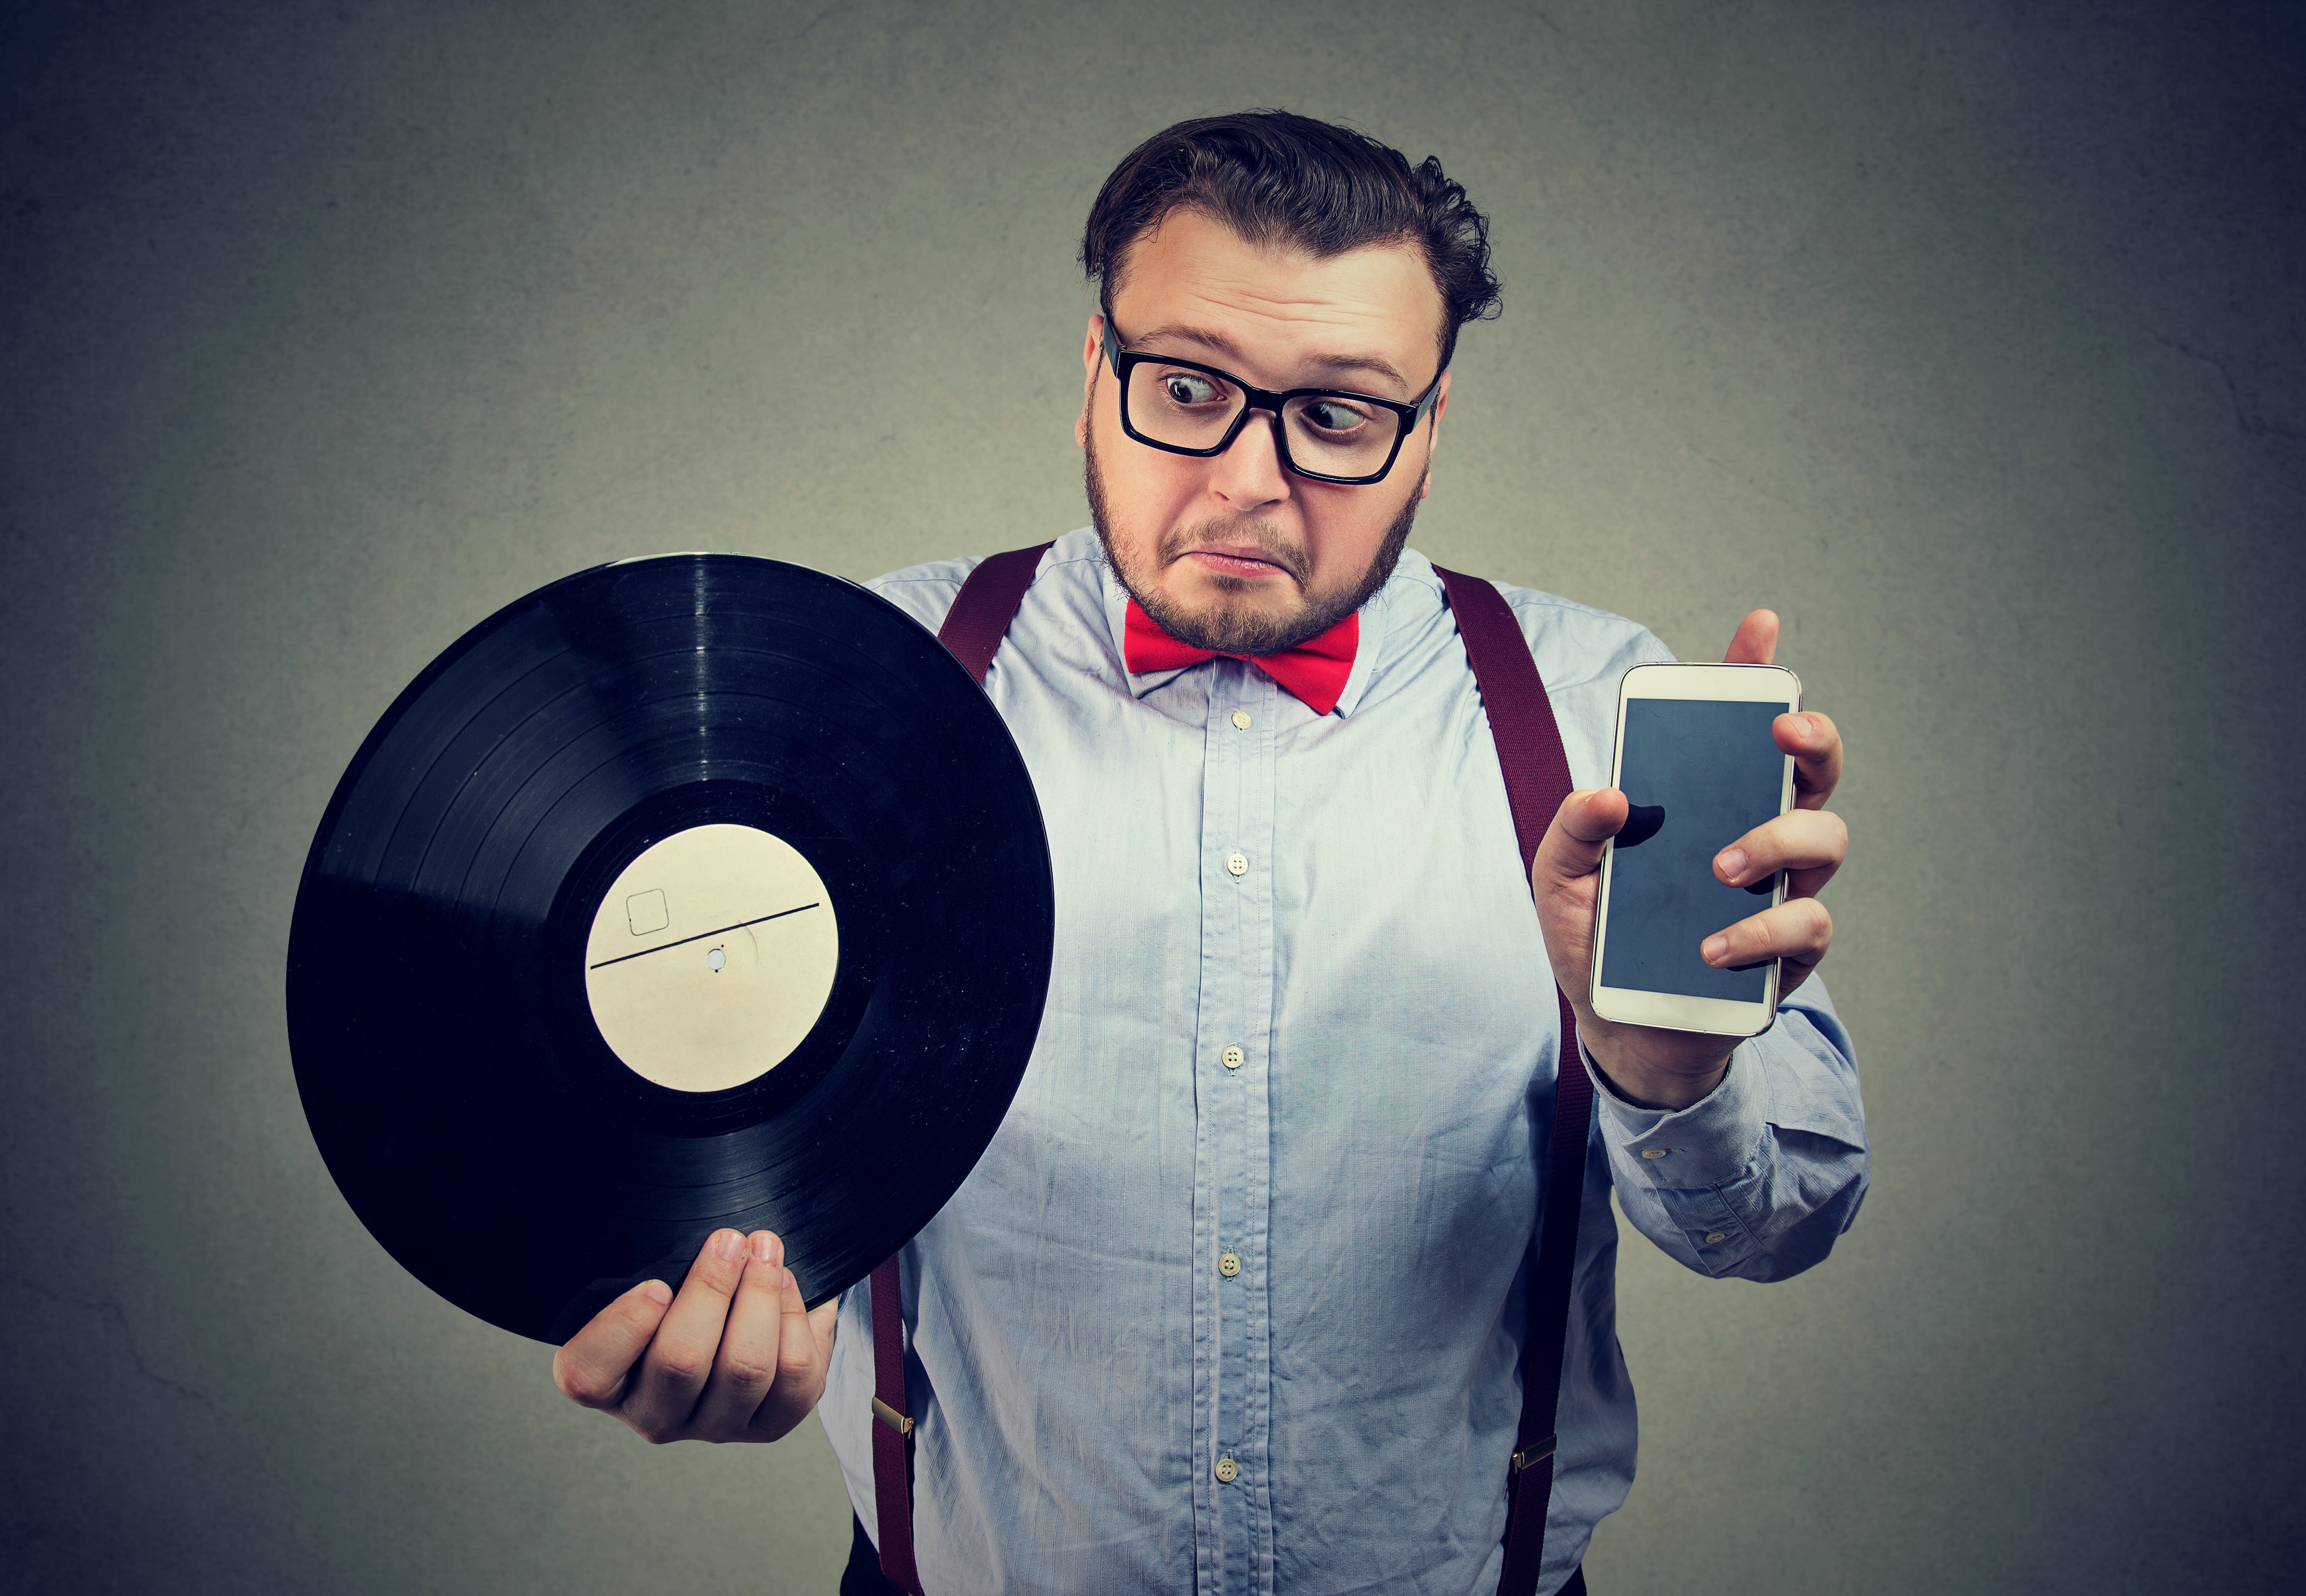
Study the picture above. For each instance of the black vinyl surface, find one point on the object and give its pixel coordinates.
(448, 1064)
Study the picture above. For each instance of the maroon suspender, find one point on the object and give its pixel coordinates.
(893, 1431)
(973, 629)
(986, 604)
(1537, 779)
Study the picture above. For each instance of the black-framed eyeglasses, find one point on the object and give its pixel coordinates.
(1329, 434)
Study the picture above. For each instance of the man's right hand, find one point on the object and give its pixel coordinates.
(735, 1357)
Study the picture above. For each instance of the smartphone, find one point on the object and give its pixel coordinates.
(1699, 770)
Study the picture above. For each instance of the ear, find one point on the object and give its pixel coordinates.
(1092, 357)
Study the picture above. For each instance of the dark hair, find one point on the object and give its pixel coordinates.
(1277, 178)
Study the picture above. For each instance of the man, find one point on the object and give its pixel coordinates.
(1234, 1299)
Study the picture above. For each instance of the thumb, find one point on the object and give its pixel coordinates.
(1571, 848)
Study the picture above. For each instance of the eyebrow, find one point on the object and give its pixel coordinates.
(1225, 347)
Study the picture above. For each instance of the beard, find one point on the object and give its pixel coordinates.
(1230, 627)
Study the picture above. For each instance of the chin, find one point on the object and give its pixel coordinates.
(1233, 622)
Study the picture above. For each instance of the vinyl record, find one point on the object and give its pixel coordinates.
(690, 892)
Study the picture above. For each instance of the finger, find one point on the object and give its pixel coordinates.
(674, 1368)
(1756, 642)
(1571, 847)
(1799, 931)
(1812, 843)
(1815, 744)
(746, 1363)
(595, 1365)
(801, 1356)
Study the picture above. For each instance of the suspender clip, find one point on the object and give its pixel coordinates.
(1527, 1455)
(895, 1419)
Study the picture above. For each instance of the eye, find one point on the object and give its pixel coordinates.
(1189, 389)
(1335, 415)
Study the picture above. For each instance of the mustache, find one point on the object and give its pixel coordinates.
(1262, 537)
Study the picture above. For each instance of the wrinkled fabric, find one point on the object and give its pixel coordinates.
(1340, 898)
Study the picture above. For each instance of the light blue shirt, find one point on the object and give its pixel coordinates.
(1339, 898)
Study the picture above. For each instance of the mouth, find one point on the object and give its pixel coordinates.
(1239, 560)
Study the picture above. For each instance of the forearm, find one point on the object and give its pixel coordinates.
(1760, 1176)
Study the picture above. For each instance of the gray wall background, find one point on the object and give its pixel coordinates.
(1966, 336)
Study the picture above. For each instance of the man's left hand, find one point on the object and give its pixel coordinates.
(1665, 1068)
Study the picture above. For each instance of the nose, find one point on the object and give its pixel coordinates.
(1249, 475)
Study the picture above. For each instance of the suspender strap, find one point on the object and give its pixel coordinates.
(893, 1431)
(1537, 779)
(973, 629)
(986, 604)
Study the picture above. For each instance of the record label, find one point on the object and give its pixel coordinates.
(711, 958)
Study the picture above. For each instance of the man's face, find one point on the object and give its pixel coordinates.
(1236, 552)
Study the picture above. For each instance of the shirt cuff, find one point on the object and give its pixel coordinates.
(1709, 1143)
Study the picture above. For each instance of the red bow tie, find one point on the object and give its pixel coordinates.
(1314, 669)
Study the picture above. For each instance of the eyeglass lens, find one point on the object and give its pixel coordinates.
(1334, 434)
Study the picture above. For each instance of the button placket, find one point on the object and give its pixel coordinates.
(1232, 1361)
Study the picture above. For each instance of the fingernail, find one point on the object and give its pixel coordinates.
(1801, 724)
(730, 1245)
(1732, 862)
(658, 1292)
(1716, 948)
(763, 1246)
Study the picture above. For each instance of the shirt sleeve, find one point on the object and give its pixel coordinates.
(1757, 1178)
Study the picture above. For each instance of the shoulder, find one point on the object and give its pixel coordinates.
(926, 592)
(1572, 644)
(1575, 642)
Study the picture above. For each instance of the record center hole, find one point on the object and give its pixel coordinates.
(715, 960)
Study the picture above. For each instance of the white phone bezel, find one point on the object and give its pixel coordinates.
(1672, 1010)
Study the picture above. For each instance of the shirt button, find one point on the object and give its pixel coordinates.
(1653, 1152)
(1229, 1265)
(1238, 863)
(1715, 1237)
(1235, 1058)
(1241, 719)
(1228, 1471)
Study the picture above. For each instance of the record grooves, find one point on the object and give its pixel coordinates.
(810, 819)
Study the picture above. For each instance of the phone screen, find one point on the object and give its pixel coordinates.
(1702, 772)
